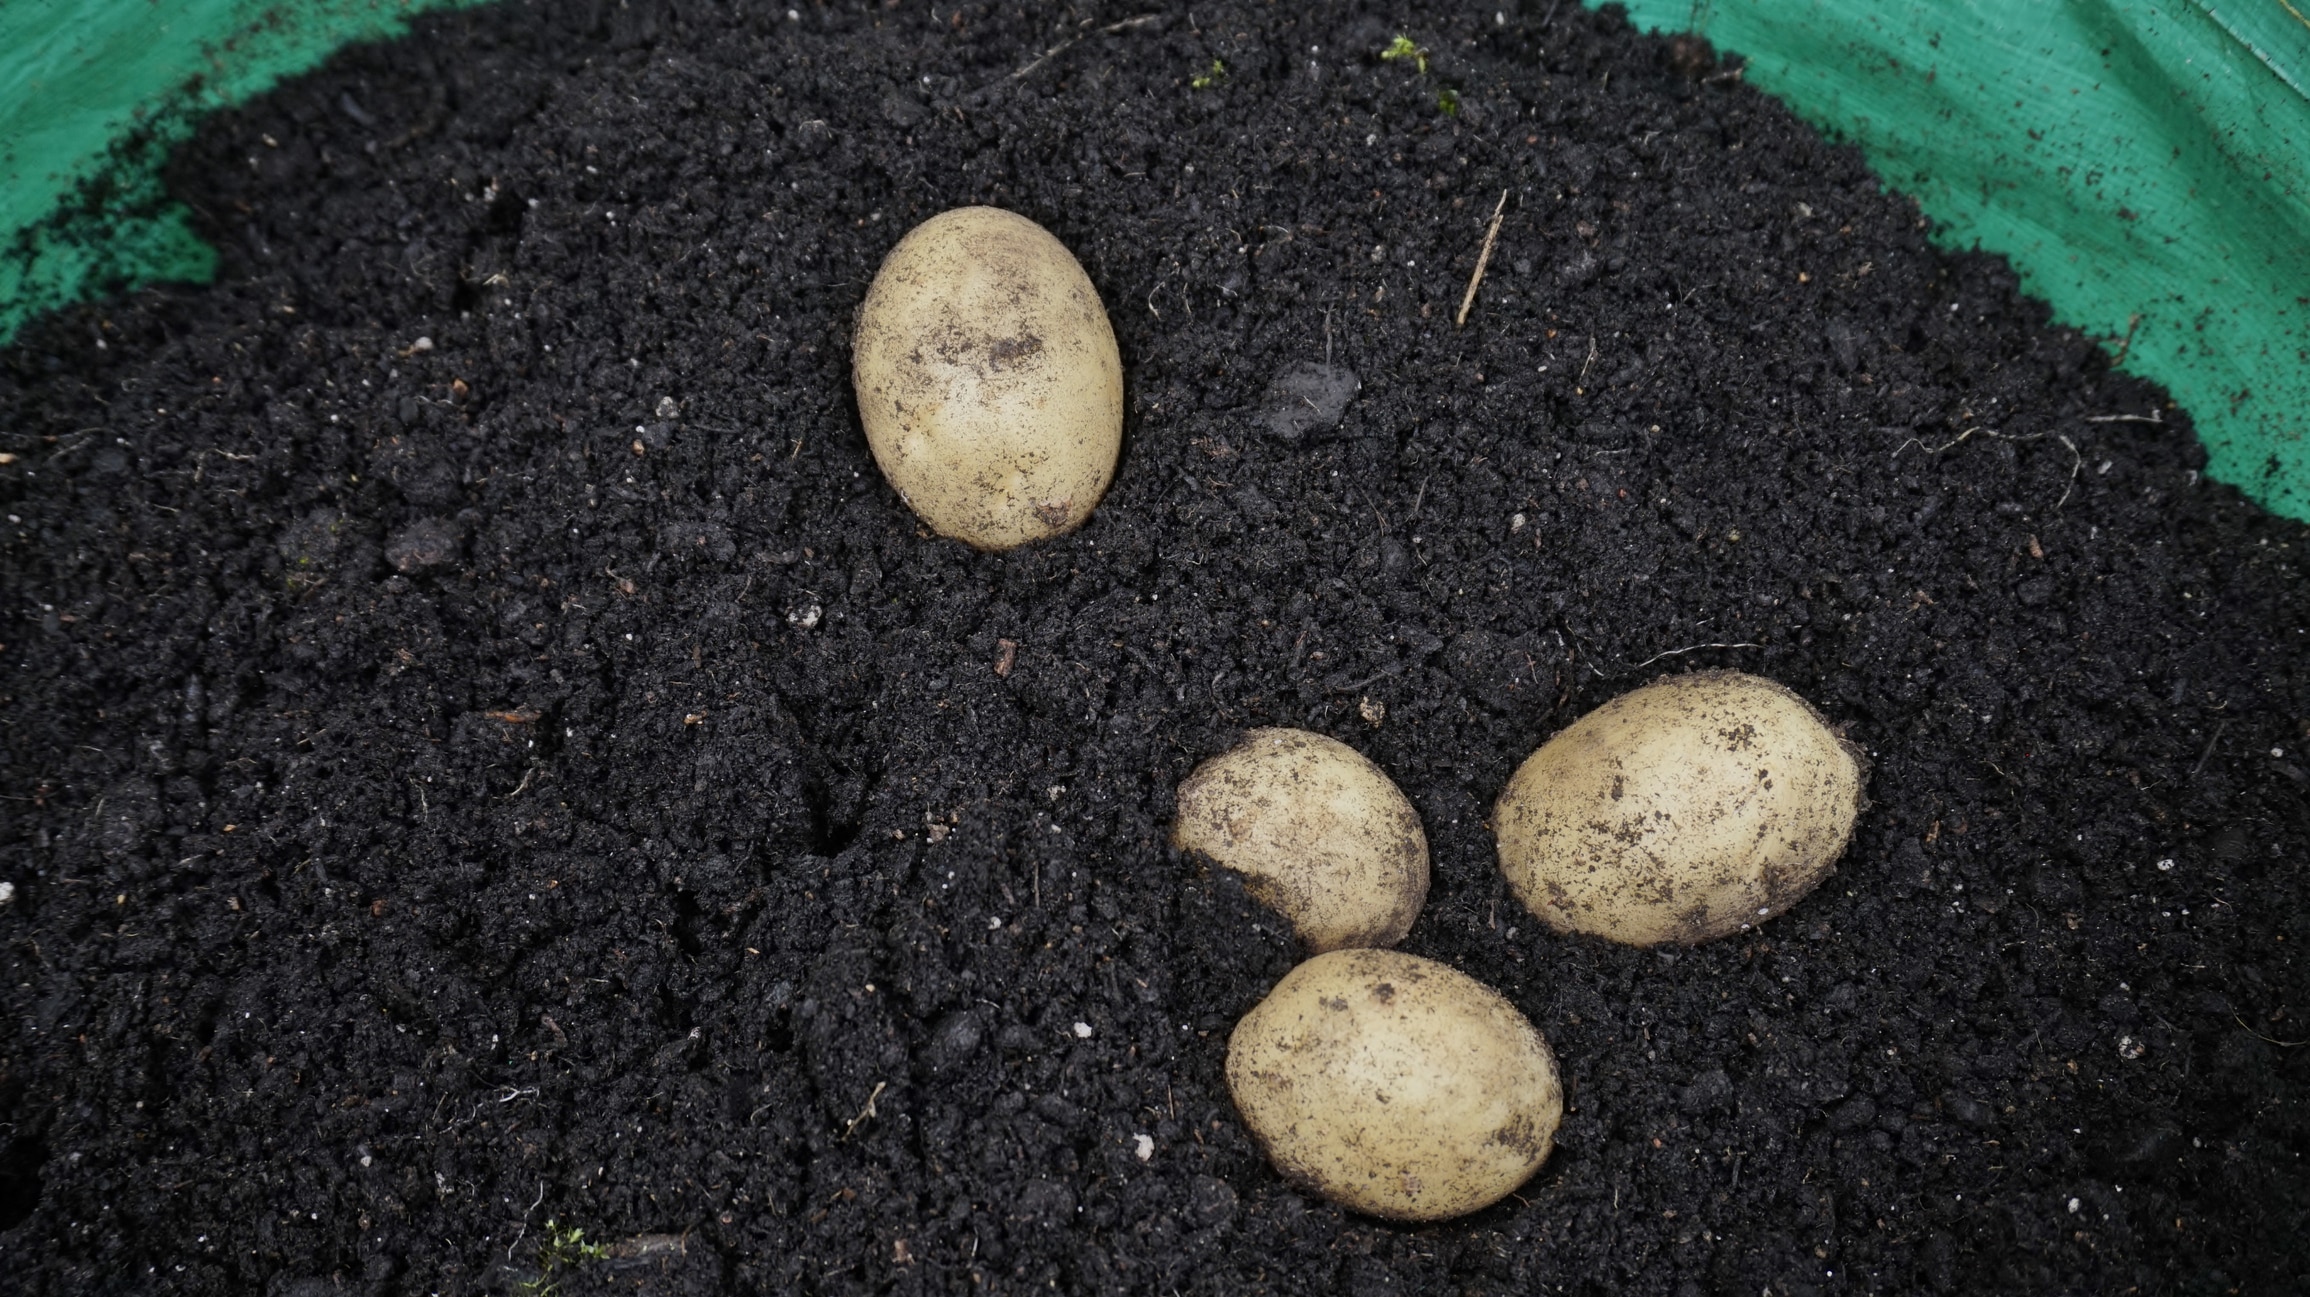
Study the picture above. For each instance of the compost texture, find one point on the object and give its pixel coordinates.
(487, 757)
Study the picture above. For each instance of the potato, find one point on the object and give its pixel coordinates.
(1319, 833)
(1696, 806)
(988, 379)
(1395, 1085)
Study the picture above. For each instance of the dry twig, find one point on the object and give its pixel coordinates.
(2282, 1044)
(1695, 648)
(2208, 754)
(1960, 439)
(1483, 259)
(2128, 345)
(1056, 50)
(867, 1111)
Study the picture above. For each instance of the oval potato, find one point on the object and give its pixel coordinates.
(988, 379)
(1693, 807)
(1395, 1085)
(1320, 834)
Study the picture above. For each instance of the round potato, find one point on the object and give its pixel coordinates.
(1319, 833)
(1696, 806)
(988, 379)
(1394, 1085)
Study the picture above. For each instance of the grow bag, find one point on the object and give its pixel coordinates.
(2144, 164)
(94, 93)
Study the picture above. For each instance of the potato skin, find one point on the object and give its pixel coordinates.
(1320, 834)
(1395, 1086)
(1693, 807)
(988, 379)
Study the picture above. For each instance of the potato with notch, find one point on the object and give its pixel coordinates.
(1395, 1085)
(1693, 807)
(1320, 835)
(988, 379)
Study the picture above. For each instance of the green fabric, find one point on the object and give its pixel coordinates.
(93, 93)
(2132, 158)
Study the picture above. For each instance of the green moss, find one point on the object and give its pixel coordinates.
(1402, 47)
(563, 1249)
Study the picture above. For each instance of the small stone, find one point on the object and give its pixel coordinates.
(427, 542)
(1708, 1092)
(954, 1040)
(1211, 1201)
(2149, 1145)
(901, 109)
(1844, 345)
(1972, 1112)
(1255, 507)
(1047, 1203)
(812, 138)
(1308, 399)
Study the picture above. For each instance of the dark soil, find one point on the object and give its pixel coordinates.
(546, 775)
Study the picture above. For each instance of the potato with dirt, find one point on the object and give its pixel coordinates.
(988, 379)
(1395, 1086)
(1696, 806)
(1320, 835)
